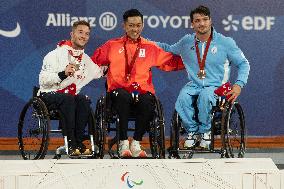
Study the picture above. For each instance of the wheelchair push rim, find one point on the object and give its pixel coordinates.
(100, 127)
(174, 136)
(33, 130)
(234, 131)
(157, 133)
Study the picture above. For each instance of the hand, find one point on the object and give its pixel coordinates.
(70, 70)
(104, 70)
(235, 92)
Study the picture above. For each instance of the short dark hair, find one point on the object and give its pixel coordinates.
(132, 13)
(200, 10)
(80, 22)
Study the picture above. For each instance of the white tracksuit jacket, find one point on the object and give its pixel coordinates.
(56, 61)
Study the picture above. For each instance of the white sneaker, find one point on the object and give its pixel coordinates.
(206, 140)
(190, 140)
(135, 149)
(124, 149)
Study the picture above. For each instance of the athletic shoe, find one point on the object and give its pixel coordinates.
(123, 149)
(136, 150)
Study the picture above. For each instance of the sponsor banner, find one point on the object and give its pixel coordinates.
(108, 20)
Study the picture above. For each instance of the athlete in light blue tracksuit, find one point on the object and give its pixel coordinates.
(222, 51)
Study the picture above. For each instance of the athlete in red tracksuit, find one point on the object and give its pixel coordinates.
(129, 78)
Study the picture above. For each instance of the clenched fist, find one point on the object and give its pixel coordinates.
(70, 70)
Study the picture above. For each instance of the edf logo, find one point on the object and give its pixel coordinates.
(249, 23)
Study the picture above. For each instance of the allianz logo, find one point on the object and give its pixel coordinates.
(248, 23)
(11, 33)
(108, 20)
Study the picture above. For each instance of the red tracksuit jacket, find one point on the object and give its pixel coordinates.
(149, 55)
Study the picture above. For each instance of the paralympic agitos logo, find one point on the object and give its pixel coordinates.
(130, 183)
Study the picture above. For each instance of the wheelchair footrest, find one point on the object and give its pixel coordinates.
(198, 150)
(83, 156)
(193, 149)
(117, 157)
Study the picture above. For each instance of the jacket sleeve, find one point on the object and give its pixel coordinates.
(167, 61)
(176, 48)
(93, 69)
(49, 72)
(237, 57)
(100, 55)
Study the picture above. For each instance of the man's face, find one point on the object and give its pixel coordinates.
(201, 23)
(80, 36)
(133, 27)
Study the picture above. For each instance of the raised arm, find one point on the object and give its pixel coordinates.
(167, 61)
(175, 48)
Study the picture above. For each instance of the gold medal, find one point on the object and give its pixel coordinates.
(127, 77)
(129, 66)
(201, 74)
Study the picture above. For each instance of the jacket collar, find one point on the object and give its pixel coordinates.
(213, 34)
(68, 45)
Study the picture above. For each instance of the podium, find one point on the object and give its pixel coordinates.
(245, 173)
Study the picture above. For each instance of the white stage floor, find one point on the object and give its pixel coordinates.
(199, 173)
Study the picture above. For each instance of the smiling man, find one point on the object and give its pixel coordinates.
(64, 72)
(207, 56)
(129, 78)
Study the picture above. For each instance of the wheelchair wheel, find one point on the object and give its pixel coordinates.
(93, 131)
(33, 130)
(174, 136)
(100, 127)
(233, 122)
(157, 133)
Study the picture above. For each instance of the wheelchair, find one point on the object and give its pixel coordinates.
(228, 132)
(107, 120)
(35, 127)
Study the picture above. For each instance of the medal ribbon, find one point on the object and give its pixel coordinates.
(201, 63)
(128, 67)
(78, 58)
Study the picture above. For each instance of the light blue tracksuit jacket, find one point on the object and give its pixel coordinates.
(222, 52)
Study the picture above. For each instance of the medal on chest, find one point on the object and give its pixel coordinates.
(75, 58)
(129, 65)
(201, 73)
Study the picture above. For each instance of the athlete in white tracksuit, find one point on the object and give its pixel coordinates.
(222, 52)
(56, 61)
(65, 71)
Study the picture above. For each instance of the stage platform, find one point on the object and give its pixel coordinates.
(246, 173)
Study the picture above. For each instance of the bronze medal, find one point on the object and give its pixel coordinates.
(201, 62)
(201, 74)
